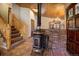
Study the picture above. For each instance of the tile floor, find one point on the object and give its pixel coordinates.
(56, 46)
(24, 49)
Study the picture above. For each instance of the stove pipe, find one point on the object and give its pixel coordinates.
(39, 15)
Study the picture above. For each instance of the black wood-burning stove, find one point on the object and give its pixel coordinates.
(38, 41)
(39, 38)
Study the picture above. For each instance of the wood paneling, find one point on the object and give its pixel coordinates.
(73, 33)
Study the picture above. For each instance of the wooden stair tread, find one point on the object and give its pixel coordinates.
(13, 32)
(13, 29)
(17, 43)
(15, 37)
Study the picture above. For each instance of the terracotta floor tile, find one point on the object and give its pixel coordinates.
(56, 46)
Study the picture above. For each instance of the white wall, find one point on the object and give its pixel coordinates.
(25, 17)
(33, 17)
(16, 10)
(25, 14)
(4, 11)
(45, 22)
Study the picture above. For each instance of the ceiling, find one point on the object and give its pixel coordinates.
(28, 5)
(50, 9)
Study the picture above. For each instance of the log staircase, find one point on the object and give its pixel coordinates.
(16, 37)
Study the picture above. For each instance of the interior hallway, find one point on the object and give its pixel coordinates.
(57, 40)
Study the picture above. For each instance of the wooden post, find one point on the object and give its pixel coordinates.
(8, 36)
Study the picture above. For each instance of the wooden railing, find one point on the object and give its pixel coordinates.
(5, 29)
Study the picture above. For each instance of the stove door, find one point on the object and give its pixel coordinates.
(36, 41)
